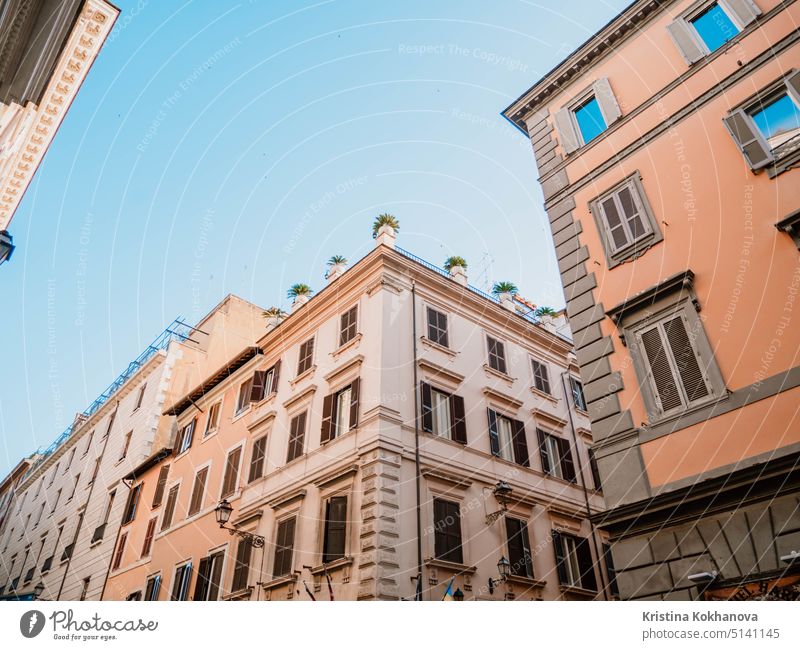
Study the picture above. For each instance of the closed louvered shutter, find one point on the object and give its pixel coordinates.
(355, 390)
(297, 432)
(160, 486)
(567, 133)
(120, 551)
(694, 384)
(198, 491)
(231, 472)
(148, 537)
(748, 138)
(447, 531)
(458, 424)
(519, 550)
(257, 460)
(607, 101)
(541, 379)
(520, 444)
(241, 571)
(284, 547)
(494, 437)
(667, 393)
(427, 407)
(169, 508)
(327, 419)
(335, 529)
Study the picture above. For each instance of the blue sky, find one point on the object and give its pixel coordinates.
(222, 147)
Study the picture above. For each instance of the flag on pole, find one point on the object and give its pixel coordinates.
(308, 591)
(330, 586)
(448, 593)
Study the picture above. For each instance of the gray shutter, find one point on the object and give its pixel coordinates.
(746, 11)
(686, 41)
(567, 134)
(608, 103)
(749, 139)
(666, 388)
(694, 383)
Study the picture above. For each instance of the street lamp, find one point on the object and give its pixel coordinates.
(504, 569)
(38, 590)
(502, 493)
(458, 595)
(6, 246)
(223, 513)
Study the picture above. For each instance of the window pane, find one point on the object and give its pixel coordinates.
(441, 414)
(505, 433)
(590, 120)
(778, 121)
(343, 412)
(714, 27)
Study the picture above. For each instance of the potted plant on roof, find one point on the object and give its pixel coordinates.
(384, 229)
(546, 315)
(274, 316)
(505, 292)
(300, 294)
(336, 267)
(456, 266)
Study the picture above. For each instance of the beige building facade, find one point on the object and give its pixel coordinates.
(667, 149)
(360, 443)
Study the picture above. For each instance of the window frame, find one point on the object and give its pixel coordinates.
(209, 430)
(326, 554)
(351, 329)
(576, 388)
(437, 330)
(543, 365)
(243, 397)
(696, 11)
(503, 358)
(634, 248)
(185, 569)
(305, 362)
(525, 542)
(282, 548)
(454, 554)
(239, 446)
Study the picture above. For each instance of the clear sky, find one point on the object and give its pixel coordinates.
(222, 147)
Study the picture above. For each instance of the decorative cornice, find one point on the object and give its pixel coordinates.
(548, 418)
(507, 400)
(439, 372)
(338, 474)
(678, 282)
(462, 482)
(353, 364)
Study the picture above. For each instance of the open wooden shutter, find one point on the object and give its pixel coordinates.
(543, 453)
(519, 552)
(355, 389)
(202, 579)
(259, 386)
(567, 133)
(216, 576)
(276, 369)
(327, 419)
(749, 139)
(561, 569)
(427, 407)
(257, 459)
(196, 502)
(297, 436)
(335, 529)
(585, 564)
(231, 472)
(458, 425)
(666, 389)
(686, 40)
(694, 383)
(494, 438)
(567, 464)
(520, 444)
(746, 11)
(160, 486)
(608, 103)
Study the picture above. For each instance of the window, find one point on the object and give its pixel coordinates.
(163, 473)
(120, 550)
(447, 531)
(556, 455)
(136, 595)
(541, 376)
(39, 516)
(95, 470)
(257, 459)
(75, 486)
(88, 444)
(55, 501)
(589, 115)
(110, 423)
(437, 327)
(180, 583)
(198, 492)
(497, 354)
(131, 505)
(209, 577)
(348, 325)
(625, 221)
(519, 548)
(610, 571)
(306, 356)
(340, 412)
(443, 415)
(71, 458)
(241, 569)
(231, 477)
(148, 537)
(507, 439)
(778, 119)
(705, 28)
(335, 529)
(85, 588)
(574, 561)
(213, 418)
(169, 508)
(577, 394)
(184, 438)
(152, 588)
(297, 433)
(284, 547)
(598, 485)
(101, 528)
(52, 478)
(243, 399)
(140, 397)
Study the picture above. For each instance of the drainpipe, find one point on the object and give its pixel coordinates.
(83, 519)
(418, 593)
(583, 485)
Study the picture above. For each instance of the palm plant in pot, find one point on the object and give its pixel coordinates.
(385, 224)
(336, 266)
(274, 316)
(453, 263)
(299, 293)
(504, 290)
(544, 311)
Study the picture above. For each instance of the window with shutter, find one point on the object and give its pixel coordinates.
(148, 537)
(158, 495)
(231, 477)
(707, 26)
(520, 443)
(241, 571)
(595, 471)
(297, 433)
(257, 459)
(437, 327)
(152, 587)
(541, 376)
(589, 115)
(577, 394)
(140, 397)
(284, 548)
(334, 539)
(209, 573)
(502, 436)
(306, 356)
(587, 578)
(497, 354)
(198, 492)
(243, 398)
(126, 444)
(519, 548)
(610, 571)
(212, 423)
(258, 386)
(180, 585)
(447, 531)
(458, 420)
(169, 508)
(120, 551)
(348, 326)
(131, 505)
(185, 437)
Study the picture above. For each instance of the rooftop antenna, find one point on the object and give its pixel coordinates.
(483, 279)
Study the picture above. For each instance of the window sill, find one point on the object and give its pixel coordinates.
(241, 594)
(582, 412)
(97, 543)
(675, 417)
(455, 567)
(542, 394)
(437, 346)
(280, 581)
(303, 375)
(491, 372)
(577, 591)
(240, 414)
(332, 566)
(209, 434)
(344, 347)
(784, 161)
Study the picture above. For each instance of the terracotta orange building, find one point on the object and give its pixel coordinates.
(667, 149)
